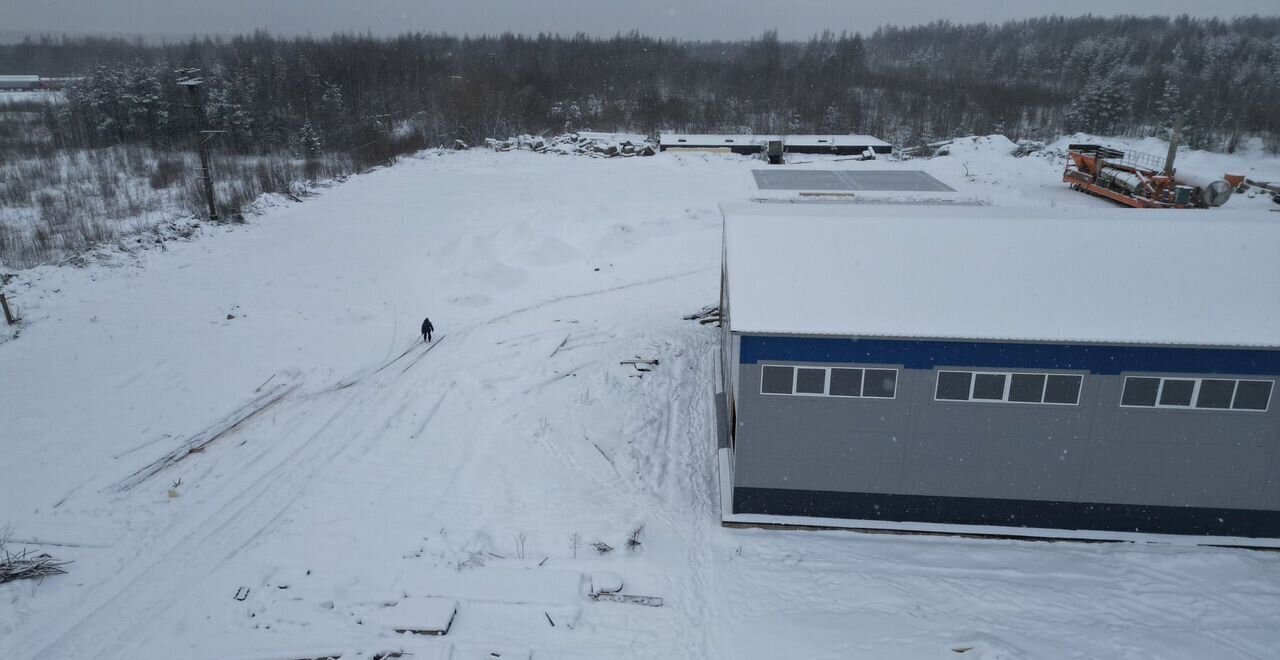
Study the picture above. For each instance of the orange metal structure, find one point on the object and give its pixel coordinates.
(1130, 178)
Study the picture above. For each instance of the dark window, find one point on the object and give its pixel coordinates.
(953, 385)
(1026, 388)
(776, 380)
(1063, 389)
(1215, 393)
(846, 382)
(880, 383)
(811, 381)
(989, 387)
(1252, 395)
(1140, 391)
(1176, 392)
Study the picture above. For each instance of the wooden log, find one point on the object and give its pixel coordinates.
(8, 314)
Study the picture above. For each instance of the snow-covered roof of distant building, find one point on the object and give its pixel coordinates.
(14, 79)
(704, 140)
(598, 136)
(1053, 274)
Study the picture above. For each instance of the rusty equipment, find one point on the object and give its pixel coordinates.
(1140, 180)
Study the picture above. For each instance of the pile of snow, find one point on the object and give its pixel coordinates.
(597, 145)
(978, 146)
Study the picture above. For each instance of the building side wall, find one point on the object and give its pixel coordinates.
(1094, 452)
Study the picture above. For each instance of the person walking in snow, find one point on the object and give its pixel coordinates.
(427, 329)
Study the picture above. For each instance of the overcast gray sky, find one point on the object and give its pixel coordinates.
(692, 19)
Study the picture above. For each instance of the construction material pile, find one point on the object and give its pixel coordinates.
(26, 565)
(595, 145)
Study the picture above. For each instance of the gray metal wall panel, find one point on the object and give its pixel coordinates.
(1093, 452)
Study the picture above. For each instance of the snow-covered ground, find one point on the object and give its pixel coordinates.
(16, 96)
(250, 414)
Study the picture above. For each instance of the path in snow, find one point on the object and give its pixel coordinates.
(385, 472)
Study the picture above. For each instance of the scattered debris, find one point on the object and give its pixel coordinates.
(419, 616)
(607, 458)
(639, 363)
(633, 541)
(602, 547)
(595, 145)
(241, 594)
(264, 383)
(26, 565)
(1028, 147)
(706, 315)
(553, 623)
(647, 601)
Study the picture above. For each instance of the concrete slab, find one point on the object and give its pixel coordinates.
(849, 180)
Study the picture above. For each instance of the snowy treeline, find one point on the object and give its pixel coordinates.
(1032, 78)
(110, 155)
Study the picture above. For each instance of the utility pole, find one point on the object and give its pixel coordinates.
(1173, 144)
(190, 79)
(386, 120)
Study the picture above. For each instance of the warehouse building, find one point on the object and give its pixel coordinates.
(1010, 371)
(847, 145)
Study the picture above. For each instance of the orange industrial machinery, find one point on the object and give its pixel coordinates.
(1139, 180)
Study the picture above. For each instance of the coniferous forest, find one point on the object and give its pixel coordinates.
(1027, 79)
(113, 153)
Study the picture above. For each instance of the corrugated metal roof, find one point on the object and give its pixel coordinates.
(1193, 278)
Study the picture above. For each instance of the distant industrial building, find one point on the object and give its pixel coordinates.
(1032, 372)
(850, 145)
(10, 83)
(19, 83)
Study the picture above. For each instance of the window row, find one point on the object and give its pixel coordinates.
(1058, 389)
(1211, 393)
(1013, 387)
(829, 381)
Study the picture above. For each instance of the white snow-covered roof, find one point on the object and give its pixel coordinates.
(834, 140)
(1183, 277)
(633, 138)
(704, 140)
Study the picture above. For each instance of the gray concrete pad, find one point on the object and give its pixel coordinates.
(850, 180)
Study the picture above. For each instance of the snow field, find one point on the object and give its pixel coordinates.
(390, 473)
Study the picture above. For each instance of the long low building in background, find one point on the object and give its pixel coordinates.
(24, 83)
(19, 83)
(854, 145)
(1036, 372)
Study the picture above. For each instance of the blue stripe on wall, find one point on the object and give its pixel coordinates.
(926, 354)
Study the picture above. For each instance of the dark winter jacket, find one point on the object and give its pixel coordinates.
(427, 327)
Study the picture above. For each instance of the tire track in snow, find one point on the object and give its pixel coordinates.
(587, 294)
(262, 494)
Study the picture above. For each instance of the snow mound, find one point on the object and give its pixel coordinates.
(981, 146)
